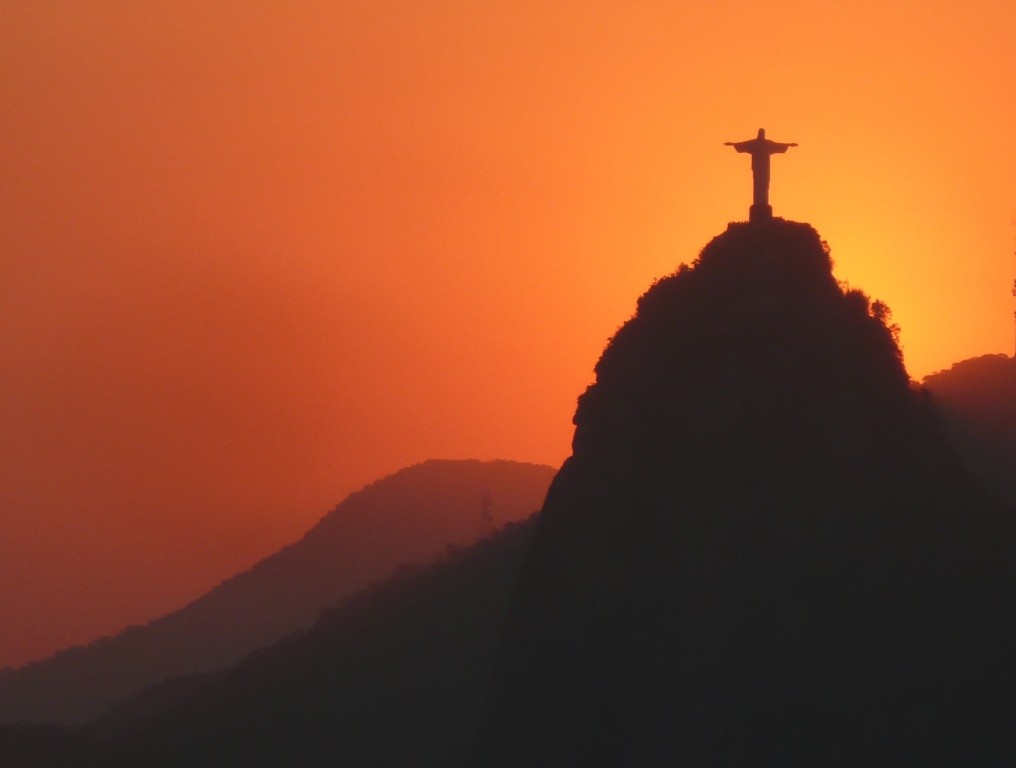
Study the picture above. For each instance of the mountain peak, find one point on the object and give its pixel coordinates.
(762, 544)
(757, 321)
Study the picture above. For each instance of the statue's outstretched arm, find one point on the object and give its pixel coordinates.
(740, 146)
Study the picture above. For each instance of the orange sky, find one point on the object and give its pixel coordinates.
(256, 254)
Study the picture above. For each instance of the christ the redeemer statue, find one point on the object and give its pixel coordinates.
(760, 148)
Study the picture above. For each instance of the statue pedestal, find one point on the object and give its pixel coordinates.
(760, 213)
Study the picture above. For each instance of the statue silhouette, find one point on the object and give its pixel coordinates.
(760, 148)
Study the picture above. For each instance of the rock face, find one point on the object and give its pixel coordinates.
(408, 517)
(763, 550)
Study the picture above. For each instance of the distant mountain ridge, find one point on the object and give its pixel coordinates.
(408, 517)
(978, 399)
(395, 675)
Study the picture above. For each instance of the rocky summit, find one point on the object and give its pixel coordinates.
(763, 550)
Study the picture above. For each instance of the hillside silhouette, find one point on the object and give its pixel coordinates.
(408, 517)
(394, 676)
(763, 550)
(978, 399)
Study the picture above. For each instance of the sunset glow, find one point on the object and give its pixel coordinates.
(256, 255)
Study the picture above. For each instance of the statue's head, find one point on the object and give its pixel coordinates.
(761, 133)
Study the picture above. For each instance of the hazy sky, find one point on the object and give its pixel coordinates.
(257, 254)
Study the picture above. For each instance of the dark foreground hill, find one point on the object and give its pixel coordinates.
(978, 400)
(762, 550)
(395, 676)
(408, 517)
